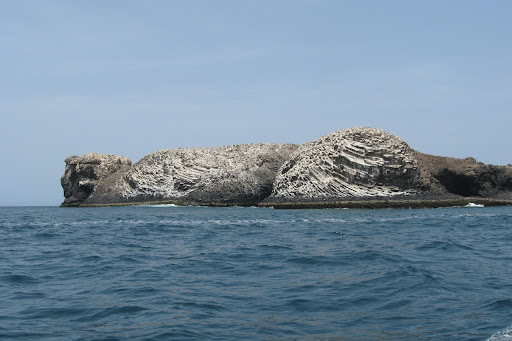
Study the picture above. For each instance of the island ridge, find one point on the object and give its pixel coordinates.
(358, 167)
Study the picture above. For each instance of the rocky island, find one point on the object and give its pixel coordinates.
(358, 167)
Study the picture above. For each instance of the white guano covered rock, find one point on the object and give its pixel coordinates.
(239, 174)
(356, 162)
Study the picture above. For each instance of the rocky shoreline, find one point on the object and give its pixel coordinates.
(413, 203)
(390, 203)
(360, 167)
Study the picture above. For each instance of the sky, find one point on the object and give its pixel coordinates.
(132, 77)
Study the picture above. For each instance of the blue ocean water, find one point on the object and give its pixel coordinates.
(187, 273)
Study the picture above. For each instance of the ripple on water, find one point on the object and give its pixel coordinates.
(92, 315)
(19, 279)
(202, 273)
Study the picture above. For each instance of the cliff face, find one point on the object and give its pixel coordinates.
(465, 177)
(82, 174)
(241, 174)
(357, 162)
(353, 163)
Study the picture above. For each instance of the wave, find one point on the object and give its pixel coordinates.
(19, 279)
(160, 205)
(471, 204)
(443, 245)
(97, 314)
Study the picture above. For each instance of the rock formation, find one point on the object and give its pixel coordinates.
(83, 173)
(351, 164)
(236, 175)
(465, 177)
(357, 162)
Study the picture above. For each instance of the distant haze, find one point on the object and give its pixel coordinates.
(132, 77)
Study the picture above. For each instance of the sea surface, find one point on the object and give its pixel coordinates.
(198, 273)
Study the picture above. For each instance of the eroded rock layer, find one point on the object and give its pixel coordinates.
(82, 174)
(357, 162)
(241, 174)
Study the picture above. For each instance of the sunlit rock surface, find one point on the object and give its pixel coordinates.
(240, 174)
(357, 162)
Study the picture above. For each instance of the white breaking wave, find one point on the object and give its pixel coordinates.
(503, 335)
(471, 204)
(162, 205)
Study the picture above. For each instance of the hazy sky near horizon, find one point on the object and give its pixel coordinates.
(132, 77)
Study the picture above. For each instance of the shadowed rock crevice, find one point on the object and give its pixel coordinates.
(465, 177)
(461, 184)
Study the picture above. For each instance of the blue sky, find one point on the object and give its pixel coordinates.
(132, 77)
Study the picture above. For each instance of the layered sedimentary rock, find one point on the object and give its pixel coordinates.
(357, 163)
(241, 174)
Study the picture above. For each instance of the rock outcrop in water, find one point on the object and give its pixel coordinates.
(83, 173)
(353, 164)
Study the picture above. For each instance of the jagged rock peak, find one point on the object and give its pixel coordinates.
(355, 162)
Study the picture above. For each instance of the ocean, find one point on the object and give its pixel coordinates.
(199, 273)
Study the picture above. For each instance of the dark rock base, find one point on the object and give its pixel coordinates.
(400, 203)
